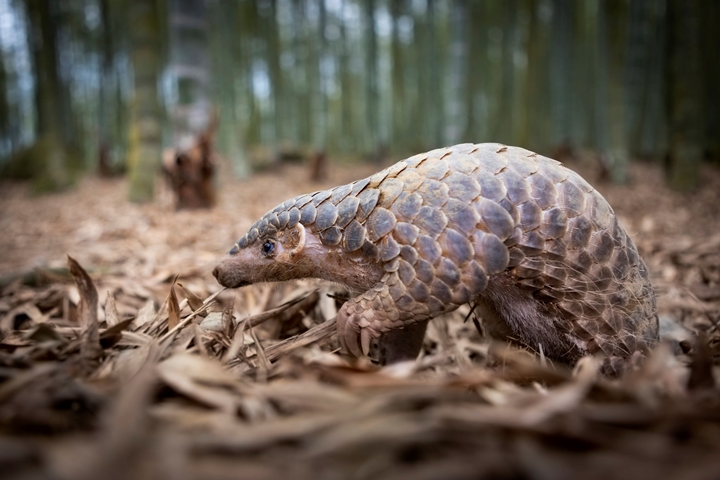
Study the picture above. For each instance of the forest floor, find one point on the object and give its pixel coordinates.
(118, 375)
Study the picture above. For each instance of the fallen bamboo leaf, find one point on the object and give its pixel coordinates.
(194, 301)
(111, 313)
(189, 318)
(144, 315)
(286, 310)
(88, 310)
(285, 347)
(111, 336)
(173, 308)
(200, 378)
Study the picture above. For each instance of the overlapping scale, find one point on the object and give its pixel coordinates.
(446, 222)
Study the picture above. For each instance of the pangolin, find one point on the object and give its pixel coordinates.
(536, 249)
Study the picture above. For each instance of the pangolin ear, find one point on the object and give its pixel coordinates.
(293, 240)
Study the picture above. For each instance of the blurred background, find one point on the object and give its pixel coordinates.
(106, 85)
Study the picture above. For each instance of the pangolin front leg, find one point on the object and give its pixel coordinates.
(386, 312)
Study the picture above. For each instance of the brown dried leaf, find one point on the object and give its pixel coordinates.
(33, 400)
(194, 301)
(111, 336)
(213, 322)
(304, 302)
(199, 340)
(201, 379)
(45, 332)
(88, 309)
(263, 362)
(111, 313)
(115, 453)
(172, 331)
(227, 322)
(173, 309)
(285, 347)
(145, 315)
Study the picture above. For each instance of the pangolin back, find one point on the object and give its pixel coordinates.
(485, 223)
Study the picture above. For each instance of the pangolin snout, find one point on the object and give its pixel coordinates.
(222, 277)
(228, 277)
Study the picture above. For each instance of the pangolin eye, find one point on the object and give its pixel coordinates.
(267, 248)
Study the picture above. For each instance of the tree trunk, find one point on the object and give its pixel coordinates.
(582, 106)
(539, 129)
(612, 134)
(194, 125)
(247, 17)
(475, 78)
(51, 150)
(106, 95)
(685, 95)
(617, 108)
(6, 137)
(454, 122)
(145, 127)
(399, 118)
(419, 104)
(710, 20)
(322, 89)
(276, 77)
(561, 72)
(371, 82)
(652, 121)
(346, 87)
(434, 65)
(225, 50)
(300, 79)
(638, 48)
(505, 119)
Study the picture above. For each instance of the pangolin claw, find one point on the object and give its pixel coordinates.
(365, 341)
(355, 339)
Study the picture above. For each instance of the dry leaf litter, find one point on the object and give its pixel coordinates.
(120, 357)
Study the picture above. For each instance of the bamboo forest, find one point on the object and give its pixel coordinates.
(88, 79)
